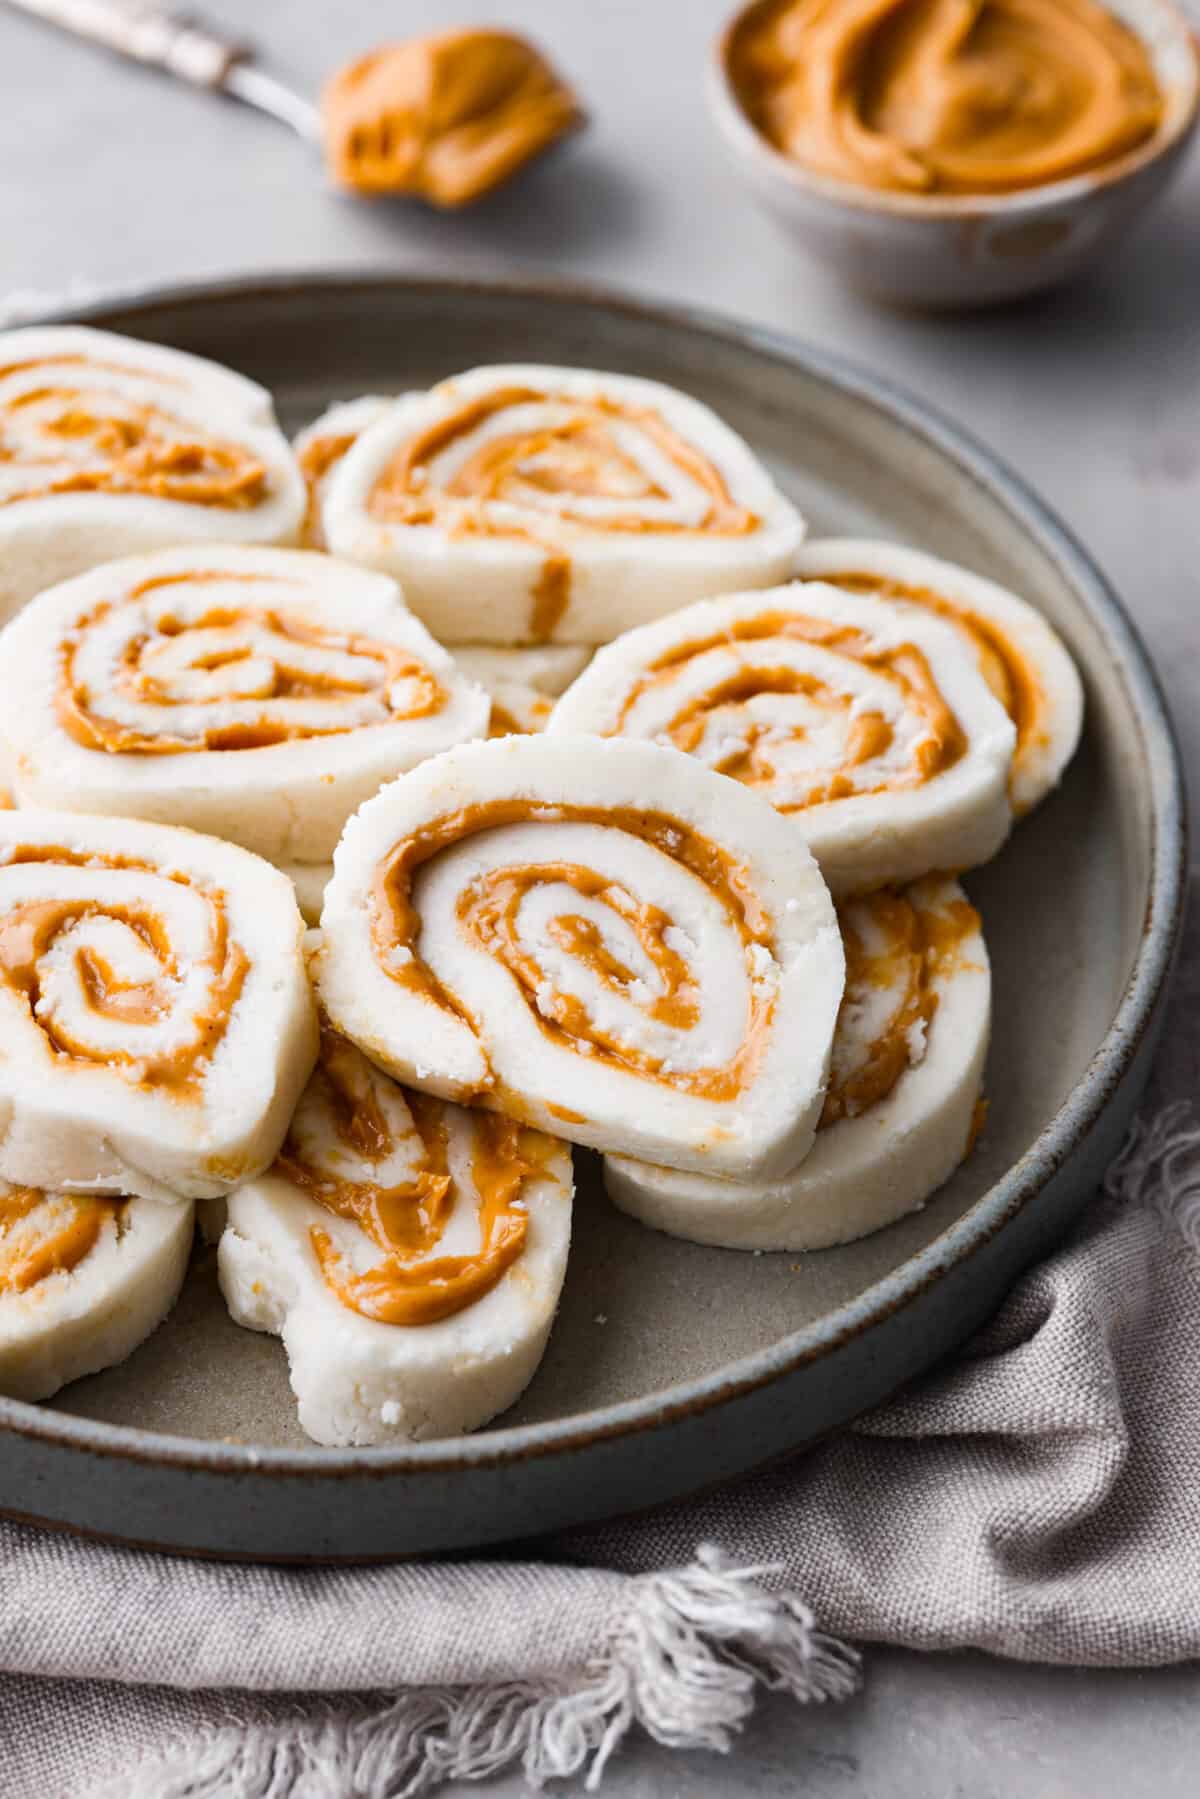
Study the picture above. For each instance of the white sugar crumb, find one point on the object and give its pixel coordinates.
(391, 1412)
(601, 1317)
(917, 1039)
(762, 963)
(399, 956)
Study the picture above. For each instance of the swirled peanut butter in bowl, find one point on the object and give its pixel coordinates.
(946, 96)
(446, 117)
(956, 152)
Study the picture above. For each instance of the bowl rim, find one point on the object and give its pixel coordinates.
(1180, 120)
(1074, 1119)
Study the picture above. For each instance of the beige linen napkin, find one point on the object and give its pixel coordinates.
(1039, 1498)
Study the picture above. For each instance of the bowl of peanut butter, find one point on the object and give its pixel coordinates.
(956, 152)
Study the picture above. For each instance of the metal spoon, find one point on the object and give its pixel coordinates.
(502, 103)
(189, 51)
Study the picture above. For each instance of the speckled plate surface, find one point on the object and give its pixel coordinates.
(671, 1366)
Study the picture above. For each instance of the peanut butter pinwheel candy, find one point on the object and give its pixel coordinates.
(601, 939)
(410, 1254)
(523, 682)
(518, 710)
(868, 725)
(546, 668)
(260, 695)
(1021, 657)
(83, 1280)
(109, 447)
(309, 881)
(156, 1023)
(321, 446)
(903, 1103)
(524, 504)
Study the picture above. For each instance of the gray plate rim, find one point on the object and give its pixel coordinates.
(1020, 1184)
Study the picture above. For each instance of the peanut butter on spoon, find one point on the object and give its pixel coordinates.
(447, 117)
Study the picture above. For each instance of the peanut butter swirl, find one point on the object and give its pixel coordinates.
(945, 96)
(42, 1234)
(166, 669)
(898, 946)
(861, 716)
(1012, 677)
(382, 1158)
(535, 467)
(628, 950)
(116, 963)
(72, 431)
(318, 458)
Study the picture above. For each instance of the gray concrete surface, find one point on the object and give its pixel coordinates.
(112, 177)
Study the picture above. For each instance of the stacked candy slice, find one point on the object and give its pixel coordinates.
(410, 1253)
(896, 710)
(658, 857)
(158, 1029)
(260, 695)
(109, 447)
(525, 505)
(606, 941)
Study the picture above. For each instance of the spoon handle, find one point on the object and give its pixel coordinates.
(147, 35)
(181, 47)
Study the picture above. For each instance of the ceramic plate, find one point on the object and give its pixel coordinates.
(672, 1366)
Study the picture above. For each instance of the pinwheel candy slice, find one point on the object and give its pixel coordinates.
(903, 1102)
(520, 504)
(83, 1281)
(409, 1253)
(310, 879)
(522, 682)
(321, 446)
(156, 1023)
(109, 447)
(260, 695)
(868, 725)
(602, 939)
(547, 668)
(518, 710)
(1020, 655)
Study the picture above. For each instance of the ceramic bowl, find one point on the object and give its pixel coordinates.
(955, 250)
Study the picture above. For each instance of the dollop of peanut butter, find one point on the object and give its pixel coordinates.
(945, 96)
(447, 117)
